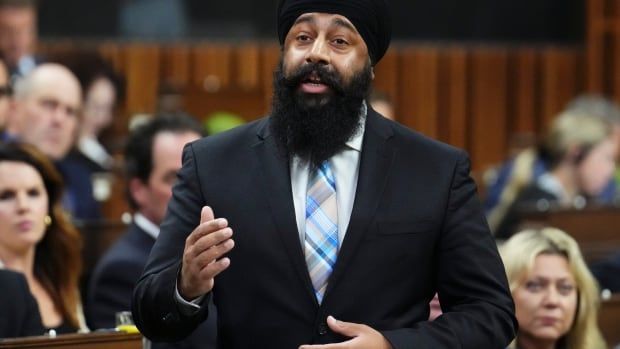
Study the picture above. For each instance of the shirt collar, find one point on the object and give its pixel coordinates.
(145, 224)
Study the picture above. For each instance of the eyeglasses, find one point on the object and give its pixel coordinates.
(6, 90)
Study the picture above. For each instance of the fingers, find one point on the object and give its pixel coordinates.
(204, 252)
(203, 256)
(206, 214)
(206, 227)
(348, 329)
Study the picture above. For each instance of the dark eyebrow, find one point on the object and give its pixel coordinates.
(342, 23)
(304, 19)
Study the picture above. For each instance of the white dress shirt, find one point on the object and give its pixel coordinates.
(345, 166)
(150, 228)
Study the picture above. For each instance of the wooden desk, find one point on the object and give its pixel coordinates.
(596, 229)
(95, 340)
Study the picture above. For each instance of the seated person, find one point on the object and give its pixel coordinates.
(36, 237)
(592, 105)
(19, 314)
(103, 88)
(579, 157)
(556, 297)
(152, 159)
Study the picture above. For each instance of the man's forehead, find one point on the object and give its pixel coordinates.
(333, 18)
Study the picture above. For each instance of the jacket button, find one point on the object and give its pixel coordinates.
(322, 329)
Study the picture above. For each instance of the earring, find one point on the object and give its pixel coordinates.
(47, 220)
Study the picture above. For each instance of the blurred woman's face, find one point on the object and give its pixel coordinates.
(99, 105)
(546, 300)
(23, 207)
(597, 168)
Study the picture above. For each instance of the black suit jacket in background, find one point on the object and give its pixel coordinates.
(416, 228)
(19, 313)
(112, 284)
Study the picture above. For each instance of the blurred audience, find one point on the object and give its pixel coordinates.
(18, 35)
(45, 110)
(103, 88)
(152, 157)
(46, 113)
(36, 237)
(578, 155)
(593, 105)
(18, 309)
(556, 297)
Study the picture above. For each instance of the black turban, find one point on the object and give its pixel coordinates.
(371, 18)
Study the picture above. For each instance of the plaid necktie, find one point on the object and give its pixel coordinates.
(321, 240)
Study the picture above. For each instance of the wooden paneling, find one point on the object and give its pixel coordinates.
(77, 341)
(488, 127)
(524, 106)
(175, 64)
(454, 106)
(561, 80)
(474, 97)
(419, 87)
(142, 67)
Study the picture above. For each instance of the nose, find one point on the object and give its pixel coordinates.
(552, 298)
(22, 202)
(319, 52)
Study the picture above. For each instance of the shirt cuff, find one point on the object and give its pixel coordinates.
(185, 307)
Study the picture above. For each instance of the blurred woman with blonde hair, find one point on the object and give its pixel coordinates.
(556, 297)
(579, 153)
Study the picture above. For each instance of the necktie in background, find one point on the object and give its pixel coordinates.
(321, 240)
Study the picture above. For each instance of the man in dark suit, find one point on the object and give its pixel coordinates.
(337, 213)
(152, 156)
(19, 313)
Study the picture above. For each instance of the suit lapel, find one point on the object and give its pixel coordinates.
(375, 163)
(275, 177)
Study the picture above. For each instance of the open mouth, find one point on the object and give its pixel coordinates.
(313, 84)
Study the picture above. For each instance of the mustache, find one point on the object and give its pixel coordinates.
(328, 77)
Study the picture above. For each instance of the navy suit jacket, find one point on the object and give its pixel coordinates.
(113, 281)
(19, 313)
(416, 228)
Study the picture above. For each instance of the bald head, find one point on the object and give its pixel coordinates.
(46, 108)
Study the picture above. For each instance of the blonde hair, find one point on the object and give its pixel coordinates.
(570, 129)
(519, 254)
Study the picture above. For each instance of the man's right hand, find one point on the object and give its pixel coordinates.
(202, 260)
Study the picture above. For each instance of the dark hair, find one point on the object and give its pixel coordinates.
(89, 66)
(57, 262)
(19, 3)
(139, 148)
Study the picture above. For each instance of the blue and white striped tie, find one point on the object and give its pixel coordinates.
(321, 240)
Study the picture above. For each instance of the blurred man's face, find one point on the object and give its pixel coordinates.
(48, 116)
(4, 95)
(18, 33)
(152, 197)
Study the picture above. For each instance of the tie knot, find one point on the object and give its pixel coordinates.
(323, 173)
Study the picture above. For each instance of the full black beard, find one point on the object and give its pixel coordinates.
(312, 127)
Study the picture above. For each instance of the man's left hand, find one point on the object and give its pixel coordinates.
(362, 337)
